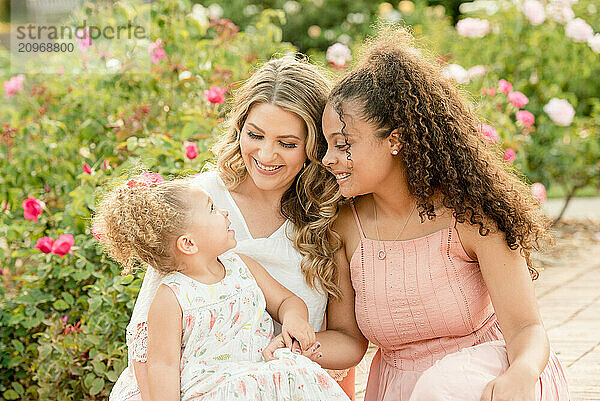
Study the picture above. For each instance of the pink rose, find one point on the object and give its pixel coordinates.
(191, 150)
(32, 208)
(594, 43)
(560, 111)
(534, 11)
(13, 85)
(156, 51)
(525, 117)
(489, 91)
(473, 27)
(45, 244)
(215, 94)
(518, 99)
(83, 39)
(579, 30)
(489, 133)
(87, 169)
(152, 178)
(538, 190)
(338, 55)
(504, 86)
(510, 155)
(476, 71)
(457, 73)
(560, 11)
(63, 244)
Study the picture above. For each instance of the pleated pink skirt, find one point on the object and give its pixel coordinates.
(461, 376)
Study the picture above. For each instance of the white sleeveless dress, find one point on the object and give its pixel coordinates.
(275, 253)
(225, 328)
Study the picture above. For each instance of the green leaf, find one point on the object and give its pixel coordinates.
(60, 305)
(11, 395)
(18, 388)
(97, 386)
(18, 345)
(112, 375)
(68, 298)
(45, 350)
(95, 303)
(89, 379)
(99, 367)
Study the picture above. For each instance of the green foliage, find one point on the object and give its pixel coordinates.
(111, 122)
(543, 63)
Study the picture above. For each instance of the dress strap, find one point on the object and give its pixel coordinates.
(360, 230)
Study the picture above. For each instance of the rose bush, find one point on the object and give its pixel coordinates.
(542, 57)
(63, 305)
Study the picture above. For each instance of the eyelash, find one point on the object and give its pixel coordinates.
(212, 207)
(252, 135)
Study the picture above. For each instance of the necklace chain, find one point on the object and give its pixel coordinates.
(381, 254)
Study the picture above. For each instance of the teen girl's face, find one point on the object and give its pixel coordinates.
(362, 167)
(272, 144)
(210, 225)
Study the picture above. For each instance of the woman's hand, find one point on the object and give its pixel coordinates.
(512, 385)
(295, 327)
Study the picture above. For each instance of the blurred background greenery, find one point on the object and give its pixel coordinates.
(63, 135)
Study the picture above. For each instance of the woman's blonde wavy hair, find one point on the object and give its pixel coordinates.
(301, 88)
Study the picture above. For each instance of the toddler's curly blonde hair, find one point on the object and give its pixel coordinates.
(140, 221)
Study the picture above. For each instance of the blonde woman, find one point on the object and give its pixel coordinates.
(268, 153)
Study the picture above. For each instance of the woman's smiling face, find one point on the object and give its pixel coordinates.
(272, 144)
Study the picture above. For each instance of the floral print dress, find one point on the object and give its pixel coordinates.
(225, 329)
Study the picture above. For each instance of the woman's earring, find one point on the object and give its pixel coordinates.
(394, 152)
(304, 165)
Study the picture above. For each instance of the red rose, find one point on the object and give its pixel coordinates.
(44, 244)
(191, 150)
(63, 244)
(215, 94)
(87, 169)
(33, 208)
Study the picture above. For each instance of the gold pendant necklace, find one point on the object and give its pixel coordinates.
(381, 254)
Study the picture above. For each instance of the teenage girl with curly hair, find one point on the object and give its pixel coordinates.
(432, 241)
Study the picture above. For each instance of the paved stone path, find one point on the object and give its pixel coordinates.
(568, 293)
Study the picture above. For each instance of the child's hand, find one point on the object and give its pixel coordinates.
(312, 353)
(295, 327)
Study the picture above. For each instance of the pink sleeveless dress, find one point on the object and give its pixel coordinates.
(428, 310)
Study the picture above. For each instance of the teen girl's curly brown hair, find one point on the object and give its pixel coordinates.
(140, 221)
(397, 87)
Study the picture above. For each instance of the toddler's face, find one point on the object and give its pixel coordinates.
(210, 225)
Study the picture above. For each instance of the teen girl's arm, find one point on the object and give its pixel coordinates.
(164, 346)
(342, 345)
(284, 306)
(511, 290)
